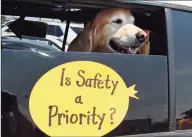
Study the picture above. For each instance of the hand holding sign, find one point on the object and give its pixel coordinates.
(80, 98)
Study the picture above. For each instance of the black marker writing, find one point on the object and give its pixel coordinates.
(64, 80)
(91, 117)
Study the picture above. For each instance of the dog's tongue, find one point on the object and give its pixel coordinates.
(132, 50)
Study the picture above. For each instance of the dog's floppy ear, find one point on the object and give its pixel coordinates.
(146, 48)
(84, 42)
(92, 36)
(88, 37)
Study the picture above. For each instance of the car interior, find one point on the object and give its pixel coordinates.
(151, 19)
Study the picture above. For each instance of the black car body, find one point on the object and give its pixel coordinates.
(163, 78)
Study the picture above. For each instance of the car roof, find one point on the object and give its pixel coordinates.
(180, 5)
(58, 9)
(157, 3)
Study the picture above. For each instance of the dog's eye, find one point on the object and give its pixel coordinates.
(118, 21)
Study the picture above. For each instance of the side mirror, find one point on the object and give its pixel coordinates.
(28, 28)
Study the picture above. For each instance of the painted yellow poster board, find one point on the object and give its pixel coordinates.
(80, 98)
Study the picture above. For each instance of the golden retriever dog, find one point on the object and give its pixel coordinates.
(111, 31)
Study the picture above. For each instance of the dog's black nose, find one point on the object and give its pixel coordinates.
(140, 37)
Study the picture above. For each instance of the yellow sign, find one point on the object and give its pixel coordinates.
(80, 98)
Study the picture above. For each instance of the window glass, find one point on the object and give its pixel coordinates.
(54, 30)
(76, 29)
(182, 44)
(58, 31)
(51, 30)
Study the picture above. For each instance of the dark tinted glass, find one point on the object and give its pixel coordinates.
(51, 30)
(58, 31)
(54, 30)
(182, 28)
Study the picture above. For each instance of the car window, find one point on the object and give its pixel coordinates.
(59, 32)
(54, 30)
(76, 29)
(182, 44)
(51, 30)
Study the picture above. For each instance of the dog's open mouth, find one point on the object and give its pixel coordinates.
(126, 50)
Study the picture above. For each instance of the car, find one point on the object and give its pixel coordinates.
(162, 77)
(26, 43)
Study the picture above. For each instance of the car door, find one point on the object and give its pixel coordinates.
(148, 114)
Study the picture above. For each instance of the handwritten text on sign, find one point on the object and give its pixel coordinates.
(80, 98)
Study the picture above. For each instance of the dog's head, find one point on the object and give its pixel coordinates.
(113, 30)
